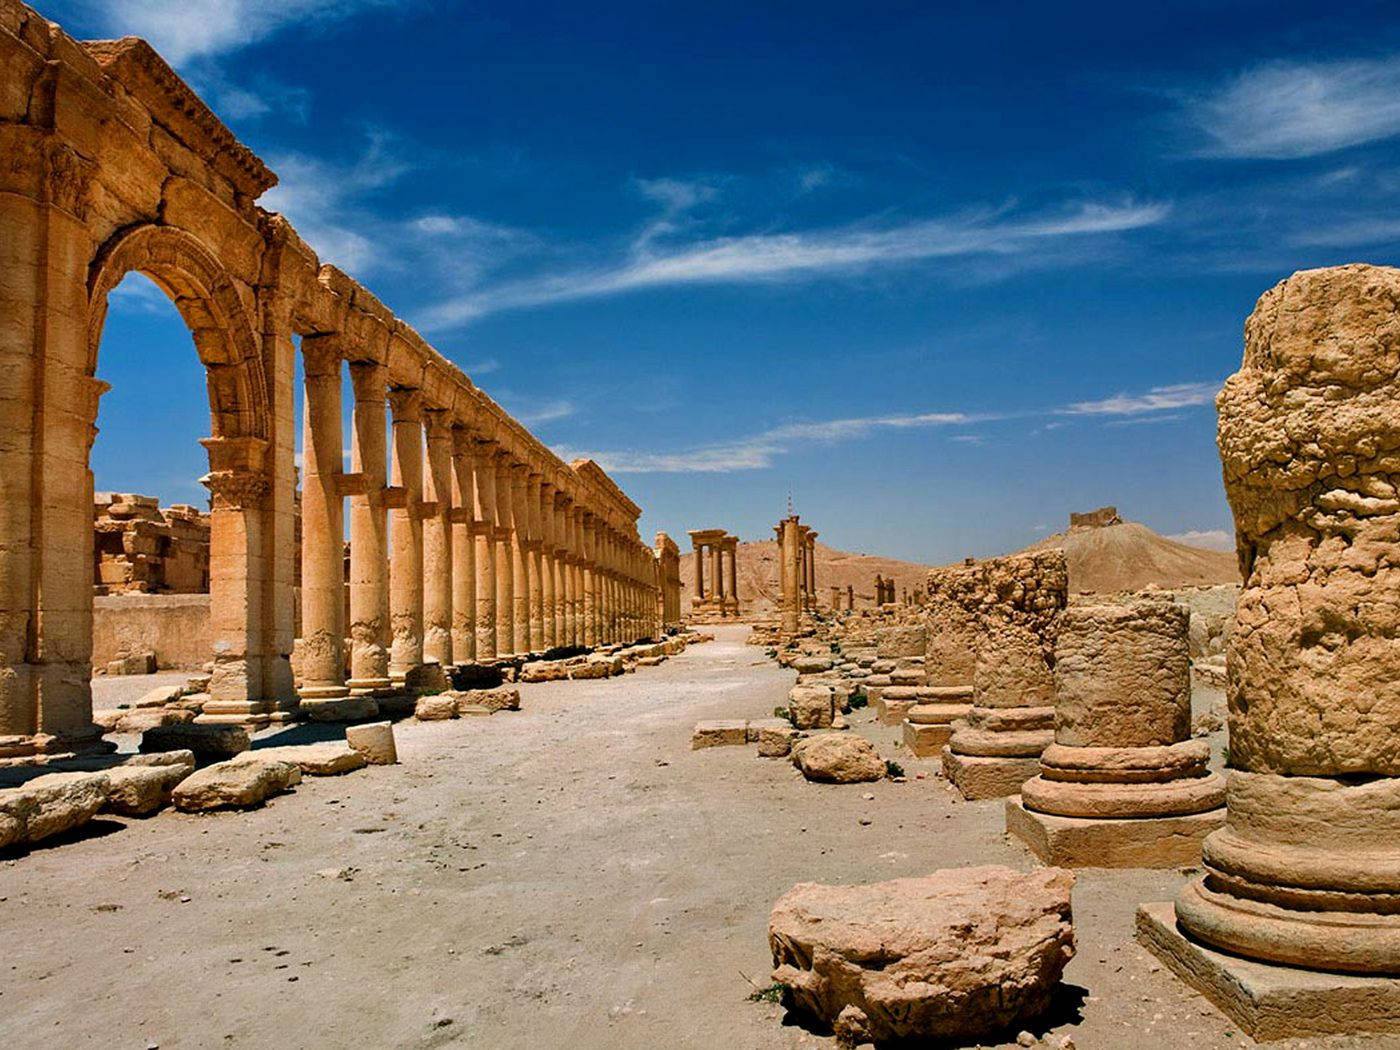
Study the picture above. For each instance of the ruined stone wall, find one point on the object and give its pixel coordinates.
(141, 547)
(1021, 598)
(172, 627)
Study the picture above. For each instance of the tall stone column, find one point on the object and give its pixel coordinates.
(505, 555)
(485, 542)
(580, 614)
(790, 553)
(734, 575)
(716, 573)
(812, 569)
(437, 540)
(464, 469)
(548, 594)
(369, 535)
(563, 583)
(1306, 871)
(406, 536)
(534, 551)
(322, 654)
(698, 551)
(520, 556)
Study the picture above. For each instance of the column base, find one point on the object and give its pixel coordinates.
(36, 744)
(1269, 1001)
(1131, 842)
(982, 777)
(926, 741)
(252, 713)
(370, 686)
(322, 692)
(888, 710)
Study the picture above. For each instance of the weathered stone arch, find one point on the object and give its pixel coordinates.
(223, 331)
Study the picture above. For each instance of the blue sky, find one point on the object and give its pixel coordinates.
(944, 272)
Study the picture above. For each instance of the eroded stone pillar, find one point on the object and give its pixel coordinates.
(519, 556)
(369, 534)
(1124, 784)
(590, 579)
(322, 653)
(1306, 871)
(406, 536)
(534, 562)
(437, 541)
(549, 636)
(790, 556)
(464, 468)
(505, 555)
(998, 746)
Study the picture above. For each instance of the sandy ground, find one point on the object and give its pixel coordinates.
(570, 875)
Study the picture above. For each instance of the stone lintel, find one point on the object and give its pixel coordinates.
(395, 497)
(1269, 1001)
(355, 484)
(1131, 842)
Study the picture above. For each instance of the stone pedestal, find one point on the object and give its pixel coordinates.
(1122, 755)
(927, 727)
(978, 777)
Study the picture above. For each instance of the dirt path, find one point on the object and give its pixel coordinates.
(568, 876)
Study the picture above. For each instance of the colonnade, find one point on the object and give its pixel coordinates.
(668, 581)
(469, 553)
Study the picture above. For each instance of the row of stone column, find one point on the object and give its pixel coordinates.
(716, 571)
(489, 559)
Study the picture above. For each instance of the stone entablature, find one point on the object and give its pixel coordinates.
(113, 164)
(716, 576)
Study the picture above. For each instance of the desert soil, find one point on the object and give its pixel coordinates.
(570, 875)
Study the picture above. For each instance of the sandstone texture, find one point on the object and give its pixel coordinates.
(238, 783)
(208, 742)
(721, 733)
(137, 789)
(838, 758)
(375, 741)
(318, 760)
(494, 699)
(811, 706)
(435, 708)
(49, 805)
(956, 955)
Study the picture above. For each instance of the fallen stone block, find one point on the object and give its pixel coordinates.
(134, 790)
(374, 740)
(142, 719)
(494, 699)
(598, 667)
(720, 733)
(774, 736)
(435, 708)
(342, 709)
(544, 671)
(474, 711)
(133, 663)
(160, 696)
(241, 783)
(650, 661)
(208, 742)
(811, 706)
(50, 805)
(426, 678)
(318, 760)
(808, 664)
(956, 955)
(838, 758)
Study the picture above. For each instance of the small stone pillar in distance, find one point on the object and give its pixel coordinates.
(996, 748)
(1306, 872)
(1123, 785)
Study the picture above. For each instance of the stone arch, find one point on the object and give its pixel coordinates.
(224, 334)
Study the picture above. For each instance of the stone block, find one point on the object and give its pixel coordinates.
(811, 706)
(892, 712)
(133, 663)
(979, 777)
(720, 733)
(239, 783)
(925, 741)
(1135, 842)
(375, 741)
(435, 708)
(838, 758)
(208, 742)
(474, 711)
(318, 760)
(1271, 1002)
(493, 699)
(136, 790)
(774, 740)
(50, 805)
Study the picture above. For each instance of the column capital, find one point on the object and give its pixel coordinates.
(369, 380)
(321, 355)
(406, 402)
(438, 424)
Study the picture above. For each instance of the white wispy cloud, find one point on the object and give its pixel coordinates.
(1157, 399)
(760, 450)
(1211, 539)
(532, 411)
(766, 257)
(186, 29)
(1286, 110)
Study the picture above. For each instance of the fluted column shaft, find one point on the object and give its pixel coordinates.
(484, 541)
(406, 536)
(322, 656)
(369, 535)
(437, 540)
(464, 448)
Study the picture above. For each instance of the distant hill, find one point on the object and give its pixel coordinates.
(1118, 556)
(1128, 556)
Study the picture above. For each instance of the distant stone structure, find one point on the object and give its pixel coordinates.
(998, 746)
(797, 573)
(1095, 519)
(1306, 872)
(884, 590)
(668, 581)
(1124, 785)
(140, 547)
(716, 587)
